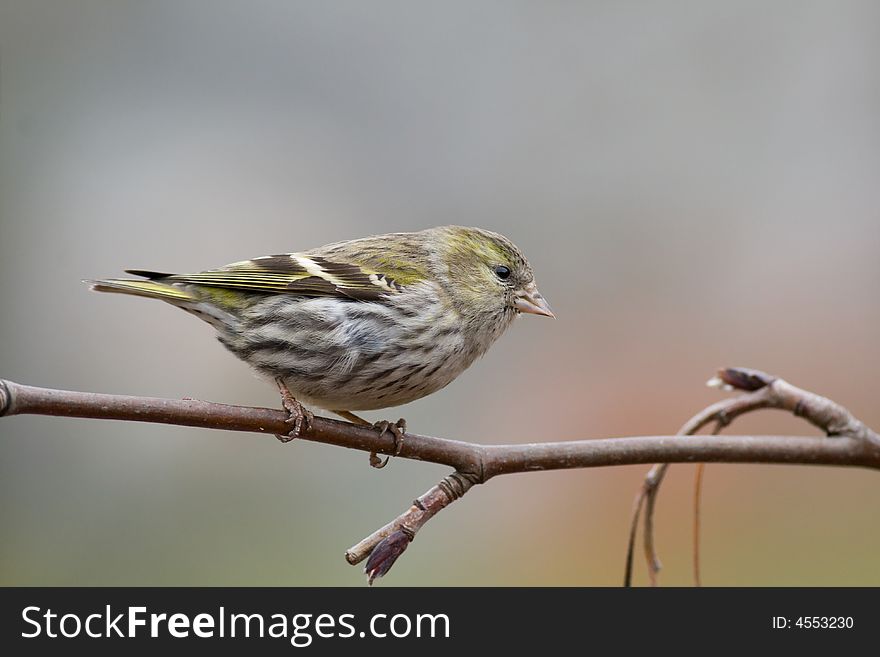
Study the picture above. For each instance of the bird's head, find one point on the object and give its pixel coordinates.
(487, 274)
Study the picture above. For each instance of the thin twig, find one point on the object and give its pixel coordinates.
(698, 488)
(698, 494)
(638, 503)
(761, 391)
(408, 524)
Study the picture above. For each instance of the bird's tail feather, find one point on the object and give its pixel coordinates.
(187, 299)
(151, 289)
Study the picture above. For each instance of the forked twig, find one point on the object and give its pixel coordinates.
(761, 390)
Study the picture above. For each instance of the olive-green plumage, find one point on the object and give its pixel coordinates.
(363, 324)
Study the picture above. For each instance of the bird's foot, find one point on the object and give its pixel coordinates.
(298, 416)
(397, 430)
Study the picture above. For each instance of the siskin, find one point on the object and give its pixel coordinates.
(359, 325)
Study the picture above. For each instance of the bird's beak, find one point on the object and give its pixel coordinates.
(529, 300)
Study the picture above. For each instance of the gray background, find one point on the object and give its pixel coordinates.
(695, 184)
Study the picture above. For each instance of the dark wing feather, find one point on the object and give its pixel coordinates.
(312, 276)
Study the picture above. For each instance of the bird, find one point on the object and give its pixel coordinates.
(363, 324)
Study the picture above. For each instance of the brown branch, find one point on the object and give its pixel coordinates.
(761, 391)
(473, 463)
(18, 399)
(384, 545)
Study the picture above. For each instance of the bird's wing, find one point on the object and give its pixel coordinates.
(294, 273)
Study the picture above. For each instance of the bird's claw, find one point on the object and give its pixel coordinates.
(298, 416)
(397, 429)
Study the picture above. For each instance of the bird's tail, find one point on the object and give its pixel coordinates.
(152, 289)
(194, 299)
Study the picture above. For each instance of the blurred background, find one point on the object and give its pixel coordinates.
(695, 184)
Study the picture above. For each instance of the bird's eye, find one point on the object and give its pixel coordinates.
(502, 272)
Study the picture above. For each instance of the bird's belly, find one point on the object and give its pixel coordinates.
(388, 377)
(355, 356)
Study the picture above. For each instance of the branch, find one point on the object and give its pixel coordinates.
(761, 391)
(485, 461)
(386, 544)
(473, 463)
(18, 399)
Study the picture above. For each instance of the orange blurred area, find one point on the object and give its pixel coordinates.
(695, 185)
